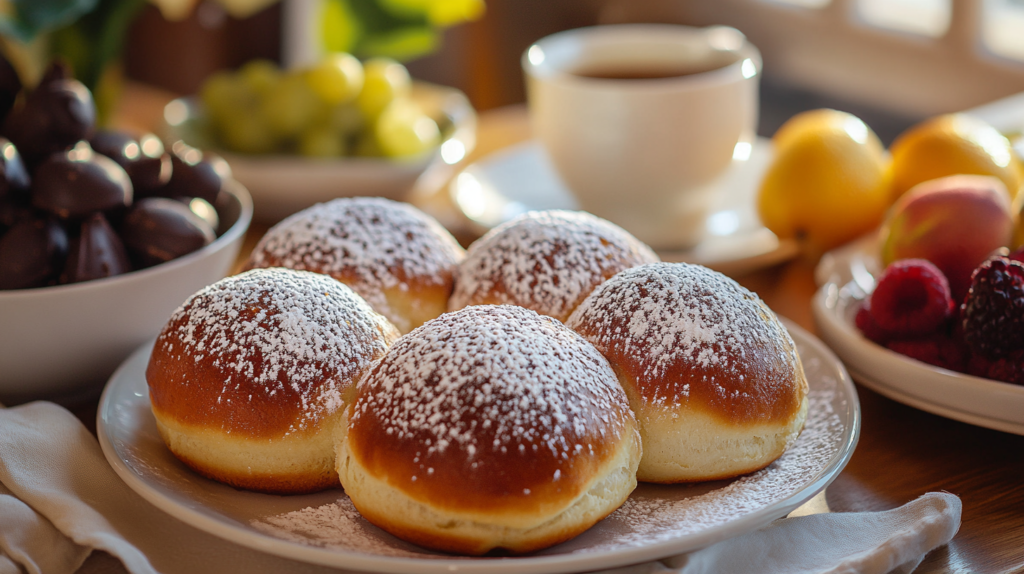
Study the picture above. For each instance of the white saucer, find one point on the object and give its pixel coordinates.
(521, 178)
(657, 521)
(846, 276)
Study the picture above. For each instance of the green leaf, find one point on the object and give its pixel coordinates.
(35, 16)
(402, 44)
(95, 40)
(339, 28)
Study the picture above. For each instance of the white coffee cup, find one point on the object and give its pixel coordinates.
(644, 152)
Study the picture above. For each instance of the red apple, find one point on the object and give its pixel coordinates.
(955, 222)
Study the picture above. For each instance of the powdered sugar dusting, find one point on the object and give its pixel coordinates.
(367, 242)
(651, 515)
(279, 331)
(548, 261)
(663, 314)
(493, 378)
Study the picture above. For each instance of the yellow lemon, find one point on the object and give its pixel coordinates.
(827, 183)
(953, 144)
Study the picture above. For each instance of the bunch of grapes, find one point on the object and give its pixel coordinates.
(338, 107)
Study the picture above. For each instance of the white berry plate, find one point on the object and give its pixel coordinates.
(324, 528)
(846, 277)
(521, 178)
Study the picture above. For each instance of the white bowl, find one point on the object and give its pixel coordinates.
(63, 342)
(284, 184)
(846, 277)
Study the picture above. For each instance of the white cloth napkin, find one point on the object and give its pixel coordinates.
(60, 500)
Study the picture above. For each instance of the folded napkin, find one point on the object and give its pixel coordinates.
(60, 501)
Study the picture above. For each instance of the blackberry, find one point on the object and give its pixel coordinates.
(992, 315)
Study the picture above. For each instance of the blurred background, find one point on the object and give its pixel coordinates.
(891, 62)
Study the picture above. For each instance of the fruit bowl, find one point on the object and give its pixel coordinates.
(63, 342)
(283, 184)
(846, 277)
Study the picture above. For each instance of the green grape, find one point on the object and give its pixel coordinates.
(243, 131)
(345, 119)
(449, 12)
(367, 145)
(403, 130)
(223, 92)
(337, 78)
(384, 80)
(260, 75)
(289, 107)
(321, 141)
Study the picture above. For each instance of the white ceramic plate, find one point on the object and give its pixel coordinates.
(846, 276)
(521, 178)
(655, 522)
(284, 184)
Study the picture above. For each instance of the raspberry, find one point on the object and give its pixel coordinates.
(938, 350)
(866, 324)
(993, 312)
(911, 298)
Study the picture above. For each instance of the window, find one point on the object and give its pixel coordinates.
(921, 17)
(1003, 28)
(803, 3)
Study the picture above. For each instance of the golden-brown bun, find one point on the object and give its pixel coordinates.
(393, 255)
(713, 377)
(548, 261)
(248, 378)
(491, 427)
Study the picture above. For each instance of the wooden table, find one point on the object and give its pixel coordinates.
(903, 452)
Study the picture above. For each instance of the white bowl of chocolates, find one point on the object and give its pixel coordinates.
(102, 235)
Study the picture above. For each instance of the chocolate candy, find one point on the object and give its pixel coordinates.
(195, 173)
(14, 178)
(96, 253)
(32, 253)
(76, 183)
(10, 85)
(55, 116)
(203, 209)
(144, 159)
(158, 229)
(12, 210)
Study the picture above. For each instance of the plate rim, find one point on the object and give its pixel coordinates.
(829, 306)
(547, 564)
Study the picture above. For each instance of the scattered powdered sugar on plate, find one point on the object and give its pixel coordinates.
(369, 243)
(651, 515)
(644, 520)
(548, 261)
(337, 525)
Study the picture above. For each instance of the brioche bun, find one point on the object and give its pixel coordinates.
(247, 380)
(491, 427)
(393, 255)
(712, 375)
(548, 261)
